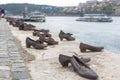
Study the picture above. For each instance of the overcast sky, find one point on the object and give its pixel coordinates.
(47, 2)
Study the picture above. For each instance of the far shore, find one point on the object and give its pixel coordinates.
(47, 67)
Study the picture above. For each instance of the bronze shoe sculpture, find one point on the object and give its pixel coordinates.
(18, 23)
(28, 27)
(82, 69)
(51, 41)
(35, 33)
(12, 21)
(42, 31)
(35, 44)
(42, 38)
(67, 36)
(64, 60)
(84, 47)
(21, 26)
(47, 34)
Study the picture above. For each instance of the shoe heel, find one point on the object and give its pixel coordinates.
(64, 60)
(61, 38)
(28, 42)
(83, 50)
(28, 45)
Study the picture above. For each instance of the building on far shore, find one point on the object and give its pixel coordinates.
(117, 11)
(115, 1)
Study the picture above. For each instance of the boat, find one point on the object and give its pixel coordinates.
(35, 17)
(95, 18)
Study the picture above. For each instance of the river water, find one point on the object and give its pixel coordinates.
(94, 33)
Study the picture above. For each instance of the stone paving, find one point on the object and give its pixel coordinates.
(12, 66)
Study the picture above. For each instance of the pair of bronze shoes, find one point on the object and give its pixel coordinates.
(48, 40)
(35, 44)
(51, 41)
(42, 31)
(18, 23)
(26, 27)
(12, 21)
(67, 36)
(79, 65)
(84, 47)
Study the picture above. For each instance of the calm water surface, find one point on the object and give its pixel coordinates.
(95, 33)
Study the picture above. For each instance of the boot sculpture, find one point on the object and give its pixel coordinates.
(66, 36)
(35, 44)
(65, 60)
(84, 47)
(82, 69)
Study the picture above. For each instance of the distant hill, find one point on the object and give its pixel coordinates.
(18, 9)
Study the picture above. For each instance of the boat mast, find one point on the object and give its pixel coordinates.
(25, 13)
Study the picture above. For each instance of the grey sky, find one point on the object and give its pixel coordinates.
(48, 2)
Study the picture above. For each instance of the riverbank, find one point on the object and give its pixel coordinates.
(47, 67)
(12, 64)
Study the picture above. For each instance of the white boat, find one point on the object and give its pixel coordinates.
(35, 17)
(95, 18)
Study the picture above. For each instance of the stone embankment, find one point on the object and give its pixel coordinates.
(12, 65)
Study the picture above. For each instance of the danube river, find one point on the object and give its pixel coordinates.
(95, 33)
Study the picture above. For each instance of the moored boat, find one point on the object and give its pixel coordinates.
(95, 18)
(35, 17)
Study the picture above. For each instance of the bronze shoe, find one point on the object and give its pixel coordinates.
(28, 27)
(42, 31)
(35, 44)
(82, 69)
(67, 36)
(35, 33)
(84, 47)
(47, 34)
(51, 41)
(18, 23)
(48, 40)
(65, 60)
(21, 26)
